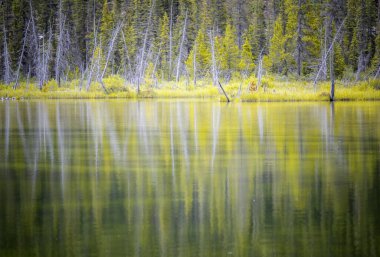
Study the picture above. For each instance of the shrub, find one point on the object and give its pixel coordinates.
(115, 84)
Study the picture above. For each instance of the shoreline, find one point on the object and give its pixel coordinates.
(278, 91)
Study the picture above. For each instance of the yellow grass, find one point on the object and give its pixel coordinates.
(237, 90)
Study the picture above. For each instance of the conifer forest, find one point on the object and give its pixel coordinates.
(171, 40)
(190, 128)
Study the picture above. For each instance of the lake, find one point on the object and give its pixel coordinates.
(189, 178)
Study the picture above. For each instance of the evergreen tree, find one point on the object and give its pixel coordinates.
(276, 60)
(202, 55)
(228, 51)
(163, 46)
(291, 34)
(339, 65)
(246, 64)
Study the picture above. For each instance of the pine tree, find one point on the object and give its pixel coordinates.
(202, 55)
(106, 29)
(256, 31)
(339, 65)
(16, 30)
(291, 37)
(163, 46)
(228, 51)
(312, 35)
(107, 24)
(276, 60)
(246, 64)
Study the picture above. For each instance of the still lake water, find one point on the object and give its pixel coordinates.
(181, 178)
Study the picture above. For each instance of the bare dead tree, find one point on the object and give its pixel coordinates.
(110, 50)
(332, 69)
(324, 50)
(214, 67)
(377, 72)
(61, 26)
(195, 64)
(126, 52)
(324, 58)
(180, 48)
(7, 59)
(94, 63)
(361, 65)
(299, 43)
(35, 50)
(260, 69)
(140, 70)
(171, 40)
(16, 84)
(155, 66)
(82, 76)
(224, 92)
(45, 52)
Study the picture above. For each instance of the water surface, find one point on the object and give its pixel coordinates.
(180, 178)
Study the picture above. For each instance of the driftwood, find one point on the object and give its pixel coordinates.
(224, 92)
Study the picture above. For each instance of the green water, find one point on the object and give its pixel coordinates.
(181, 178)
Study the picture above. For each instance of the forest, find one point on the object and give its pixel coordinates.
(156, 42)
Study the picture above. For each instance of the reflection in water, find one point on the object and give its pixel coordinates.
(154, 178)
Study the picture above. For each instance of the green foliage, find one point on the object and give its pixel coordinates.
(115, 84)
(202, 55)
(163, 46)
(292, 35)
(227, 51)
(276, 60)
(246, 64)
(339, 65)
(258, 27)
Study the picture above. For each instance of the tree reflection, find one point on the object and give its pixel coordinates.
(189, 179)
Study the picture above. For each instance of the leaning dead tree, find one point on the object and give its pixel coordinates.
(326, 54)
(40, 55)
(224, 92)
(180, 49)
(377, 72)
(127, 59)
(16, 84)
(109, 53)
(141, 68)
(95, 57)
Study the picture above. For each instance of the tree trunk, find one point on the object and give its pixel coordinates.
(195, 64)
(180, 48)
(299, 39)
(171, 41)
(214, 67)
(332, 68)
(21, 56)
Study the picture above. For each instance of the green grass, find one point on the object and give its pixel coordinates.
(276, 90)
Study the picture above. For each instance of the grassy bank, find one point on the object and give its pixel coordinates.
(244, 90)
